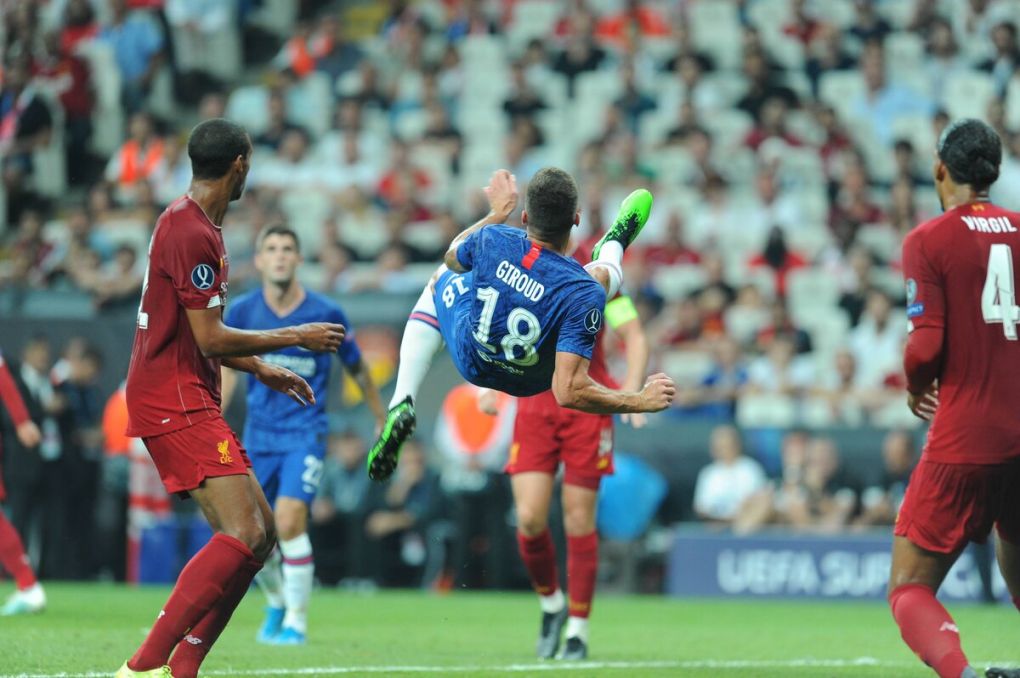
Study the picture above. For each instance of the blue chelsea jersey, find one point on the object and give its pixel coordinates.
(527, 304)
(272, 411)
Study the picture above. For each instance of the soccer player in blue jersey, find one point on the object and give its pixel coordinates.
(517, 314)
(287, 442)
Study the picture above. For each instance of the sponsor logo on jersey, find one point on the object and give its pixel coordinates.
(203, 276)
(301, 365)
(223, 447)
(593, 321)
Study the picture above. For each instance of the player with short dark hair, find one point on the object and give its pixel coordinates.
(173, 399)
(963, 344)
(517, 314)
(287, 442)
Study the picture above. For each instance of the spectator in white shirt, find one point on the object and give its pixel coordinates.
(780, 371)
(877, 341)
(724, 485)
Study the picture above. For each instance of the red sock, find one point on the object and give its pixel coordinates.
(1016, 603)
(196, 645)
(582, 564)
(203, 581)
(539, 556)
(928, 629)
(12, 555)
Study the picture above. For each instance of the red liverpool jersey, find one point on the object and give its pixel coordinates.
(961, 273)
(170, 384)
(598, 370)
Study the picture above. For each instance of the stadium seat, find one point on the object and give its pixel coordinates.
(715, 28)
(108, 115)
(904, 52)
(917, 129)
(743, 325)
(895, 415)
(841, 90)
(880, 239)
(966, 94)
(532, 19)
(306, 211)
(766, 410)
(899, 14)
(769, 15)
(812, 283)
(687, 368)
(1013, 103)
(889, 281)
(789, 52)
(677, 282)
(249, 106)
(310, 103)
(277, 16)
(827, 325)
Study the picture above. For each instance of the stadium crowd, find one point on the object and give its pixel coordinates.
(787, 143)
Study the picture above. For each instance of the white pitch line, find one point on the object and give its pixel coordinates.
(523, 668)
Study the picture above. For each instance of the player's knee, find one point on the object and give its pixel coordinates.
(531, 522)
(289, 526)
(578, 520)
(256, 536)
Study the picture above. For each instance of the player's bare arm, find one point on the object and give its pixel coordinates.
(502, 194)
(275, 377)
(216, 340)
(922, 361)
(363, 377)
(575, 389)
(623, 319)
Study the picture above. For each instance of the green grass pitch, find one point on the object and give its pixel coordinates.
(89, 630)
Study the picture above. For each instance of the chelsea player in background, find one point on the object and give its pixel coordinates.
(287, 442)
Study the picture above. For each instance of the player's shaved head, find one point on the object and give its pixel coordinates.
(551, 203)
(972, 152)
(214, 145)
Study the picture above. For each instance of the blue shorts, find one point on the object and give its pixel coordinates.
(287, 465)
(453, 311)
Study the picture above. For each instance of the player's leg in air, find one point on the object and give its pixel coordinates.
(30, 596)
(289, 574)
(213, 582)
(422, 336)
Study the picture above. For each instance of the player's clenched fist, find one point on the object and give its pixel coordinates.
(322, 337)
(502, 193)
(658, 392)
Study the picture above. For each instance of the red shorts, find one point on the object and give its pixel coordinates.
(546, 434)
(949, 505)
(186, 457)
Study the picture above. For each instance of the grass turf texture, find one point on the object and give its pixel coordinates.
(91, 629)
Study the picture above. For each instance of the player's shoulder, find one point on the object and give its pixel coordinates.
(246, 300)
(321, 303)
(930, 231)
(183, 219)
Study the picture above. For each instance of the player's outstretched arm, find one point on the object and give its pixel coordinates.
(575, 389)
(275, 377)
(622, 317)
(502, 194)
(216, 340)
